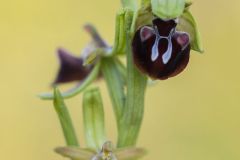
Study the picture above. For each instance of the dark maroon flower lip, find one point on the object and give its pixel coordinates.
(71, 68)
(159, 50)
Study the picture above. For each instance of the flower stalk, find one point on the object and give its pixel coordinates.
(136, 85)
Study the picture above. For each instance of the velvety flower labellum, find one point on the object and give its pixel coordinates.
(159, 50)
(71, 68)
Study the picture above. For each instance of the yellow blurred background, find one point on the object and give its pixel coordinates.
(194, 116)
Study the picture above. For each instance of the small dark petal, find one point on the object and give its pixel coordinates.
(146, 32)
(71, 68)
(164, 26)
(182, 38)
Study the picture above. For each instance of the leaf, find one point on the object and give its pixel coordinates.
(75, 153)
(188, 24)
(168, 9)
(72, 92)
(93, 118)
(65, 119)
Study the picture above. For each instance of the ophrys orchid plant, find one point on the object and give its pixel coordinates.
(156, 37)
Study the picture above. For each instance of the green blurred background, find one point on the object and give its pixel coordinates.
(194, 116)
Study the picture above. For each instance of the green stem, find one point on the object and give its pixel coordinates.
(136, 84)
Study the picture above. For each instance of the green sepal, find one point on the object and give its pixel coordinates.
(65, 119)
(168, 9)
(75, 153)
(93, 119)
(128, 153)
(188, 24)
(188, 4)
(144, 16)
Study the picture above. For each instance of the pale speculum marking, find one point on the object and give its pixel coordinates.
(155, 53)
(167, 55)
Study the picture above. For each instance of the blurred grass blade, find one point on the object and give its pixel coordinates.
(65, 119)
(115, 85)
(93, 118)
(68, 94)
(188, 24)
(75, 153)
(129, 153)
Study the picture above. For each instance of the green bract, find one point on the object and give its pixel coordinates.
(65, 119)
(93, 118)
(168, 9)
